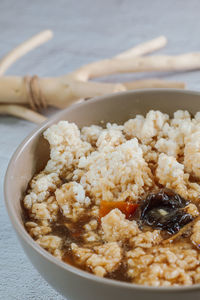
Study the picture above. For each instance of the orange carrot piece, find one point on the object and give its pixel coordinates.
(126, 208)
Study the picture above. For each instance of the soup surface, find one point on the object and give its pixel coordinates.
(122, 202)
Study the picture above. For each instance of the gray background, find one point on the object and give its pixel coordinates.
(84, 31)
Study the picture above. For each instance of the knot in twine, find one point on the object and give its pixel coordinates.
(34, 94)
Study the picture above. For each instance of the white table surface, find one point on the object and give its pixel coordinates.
(85, 30)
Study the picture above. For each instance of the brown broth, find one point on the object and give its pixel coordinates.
(120, 273)
(72, 232)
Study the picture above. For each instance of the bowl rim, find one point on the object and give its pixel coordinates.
(20, 229)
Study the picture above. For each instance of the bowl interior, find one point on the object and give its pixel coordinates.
(33, 153)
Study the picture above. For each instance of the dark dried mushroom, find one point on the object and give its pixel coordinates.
(164, 210)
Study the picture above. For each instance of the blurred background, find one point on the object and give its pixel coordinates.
(84, 31)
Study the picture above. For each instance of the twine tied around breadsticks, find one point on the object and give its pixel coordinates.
(24, 96)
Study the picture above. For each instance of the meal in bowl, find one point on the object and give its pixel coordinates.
(122, 202)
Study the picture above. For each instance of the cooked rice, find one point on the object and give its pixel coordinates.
(118, 163)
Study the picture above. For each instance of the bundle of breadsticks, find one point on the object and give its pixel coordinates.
(24, 96)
